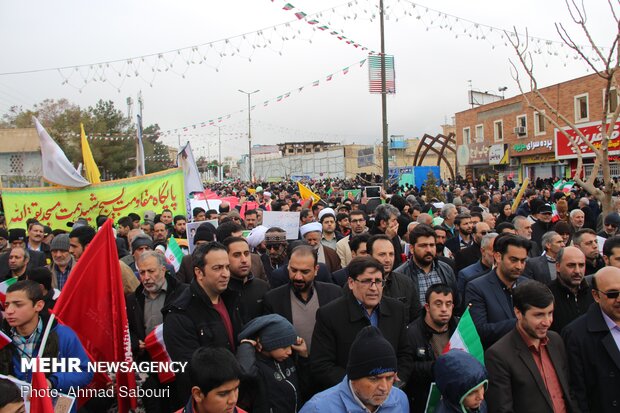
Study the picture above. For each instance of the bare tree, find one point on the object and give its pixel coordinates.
(604, 65)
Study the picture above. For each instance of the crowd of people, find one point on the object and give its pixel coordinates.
(355, 311)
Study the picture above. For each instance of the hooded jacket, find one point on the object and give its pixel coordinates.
(457, 373)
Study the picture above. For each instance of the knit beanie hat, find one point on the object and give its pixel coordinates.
(273, 330)
(370, 355)
(60, 243)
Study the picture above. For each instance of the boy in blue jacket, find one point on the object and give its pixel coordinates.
(24, 323)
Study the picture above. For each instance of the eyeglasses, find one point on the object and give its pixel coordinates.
(612, 295)
(273, 246)
(379, 282)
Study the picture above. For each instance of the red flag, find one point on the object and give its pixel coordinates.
(92, 303)
(40, 400)
(156, 348)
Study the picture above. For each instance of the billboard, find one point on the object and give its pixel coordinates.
(592, 132)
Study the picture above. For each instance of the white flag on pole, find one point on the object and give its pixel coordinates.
(57, 169)
(193, 183)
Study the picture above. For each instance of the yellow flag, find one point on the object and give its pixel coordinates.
(92, 172)
(306, 193)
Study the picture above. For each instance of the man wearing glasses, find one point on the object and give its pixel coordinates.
(468, 256)
(338, 322)
(275, 255)
(593, 347)
(610, 225)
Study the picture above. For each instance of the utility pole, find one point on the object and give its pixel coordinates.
(249, 131)
(140, 103)
(386, 166)
(220, 168)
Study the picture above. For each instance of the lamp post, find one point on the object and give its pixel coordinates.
(386, 167)
(249, 131)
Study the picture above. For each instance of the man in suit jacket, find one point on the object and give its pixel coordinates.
(593, 347)
(528, 371)
(338, 323)
(490, 296)
(298, 302)
(479, 268)
(543, 268)
(463, 237)
(468, 256)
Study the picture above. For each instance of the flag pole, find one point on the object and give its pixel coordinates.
(46, 334)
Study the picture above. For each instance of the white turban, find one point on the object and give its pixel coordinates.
(257, 235)
(311, 227)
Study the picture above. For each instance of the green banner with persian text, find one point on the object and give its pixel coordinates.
(57, 206)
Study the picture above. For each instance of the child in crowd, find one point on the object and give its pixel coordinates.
(266, 356)
(462, 381)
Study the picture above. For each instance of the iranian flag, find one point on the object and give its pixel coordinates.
(4, 286)
(563, 186)
(174, 254)
(288, 6)
(466, 338)
(156, 348)
(4, 340)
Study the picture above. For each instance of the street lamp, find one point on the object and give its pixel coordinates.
(249, 130)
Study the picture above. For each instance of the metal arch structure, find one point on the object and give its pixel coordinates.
(437, 144)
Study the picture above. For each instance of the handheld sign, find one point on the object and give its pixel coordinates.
(288, 221)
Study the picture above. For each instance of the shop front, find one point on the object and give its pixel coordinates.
(535, 159)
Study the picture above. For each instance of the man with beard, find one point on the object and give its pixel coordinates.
(428, 336)
(467, 256)
(570, 290)
(275, 257)
(463, 238)
(311, 233)
(179, 230)
(528, 369)
(490, 296)
(585, 239)
(479, 268)
(357, 219)
(62, 261)
(18, 261)
(156, 290)
(423, 269)
(523, 226)
(299, 300)
(250, 289)
(160, 232)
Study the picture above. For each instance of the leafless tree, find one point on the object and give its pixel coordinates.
(605, 65)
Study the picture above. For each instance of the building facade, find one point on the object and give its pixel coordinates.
(20, 158)
(509, 138)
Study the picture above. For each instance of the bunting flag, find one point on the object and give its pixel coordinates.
(329, 77)
(306, 193)
(300, 15)
(345, 70)
(4, 286)
(174, 253)
(288, 6)
(56, 167)
(92, 171)
(140, 165)
(466, 338)
(315, 83)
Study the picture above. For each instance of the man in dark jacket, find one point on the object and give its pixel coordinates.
(203, 315)
(490, 296)
(386, 222)
(479, 268)
(250, 289)
(144, 313)
(428, 335)
(467, 256)
(423, 269)
(527, 367)
(397, 285)
(543, 224)
(593, 351)
(571, 293)
(543, 268)
(338, 323)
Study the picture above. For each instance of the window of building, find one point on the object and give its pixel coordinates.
(540, 127)
(582, 113)
(498, 130)
(613, 101)
(466, 136)
(480, 133)
(521, 128)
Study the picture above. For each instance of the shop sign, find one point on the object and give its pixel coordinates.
(473, 154)
(538, 158)
(592, 132)
(498, 154)
(530, 146)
